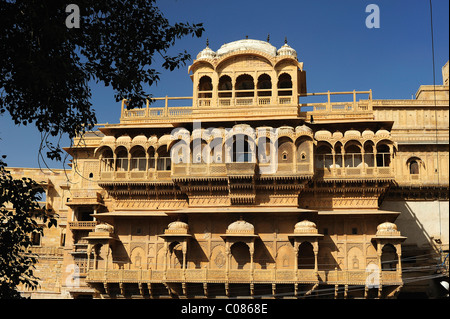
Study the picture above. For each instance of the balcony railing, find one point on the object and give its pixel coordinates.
(137, 168)
(83, 225)
(261, 101)
(335, 277)
(355, 165)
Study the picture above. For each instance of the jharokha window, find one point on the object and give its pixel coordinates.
(413, 167)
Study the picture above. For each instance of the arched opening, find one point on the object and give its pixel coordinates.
(107, 160)
(216, 151)
(205, 87)
(352, 157)
(240, 253)
(96, 251)
(137, 159)
(164, 160)
(284, 85)
(305, 257)
(303, 150)
(264, 85)
(264, 150)
(414, 167)
(389, 258)
(338, 159)
(198, 155)
(324, 157)
(369, 158)
(151, 158)
(180, 152)
(241, 151)
(383, 155)
(121, 159)
(225, 87)
(285, 151)
(245, 86)
(175, 255)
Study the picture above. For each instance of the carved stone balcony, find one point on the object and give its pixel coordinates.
(198, 170)
(83, 225)
(362, 173)
(304, 276)
(121, 177)
(240, 169)
(233, 106)
(85, 197)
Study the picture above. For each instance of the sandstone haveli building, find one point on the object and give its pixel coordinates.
(243, 189)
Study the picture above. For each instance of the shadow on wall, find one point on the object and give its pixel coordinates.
(418, 221)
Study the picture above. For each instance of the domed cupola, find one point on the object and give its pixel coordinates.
(206, 53)
(177, 227)
(240, 227)
(387, 229)
(305, 227)
(286, 50)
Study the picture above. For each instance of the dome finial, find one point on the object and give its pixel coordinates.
(268, 37)
(285, 40)
(246, 36)
(207, 42)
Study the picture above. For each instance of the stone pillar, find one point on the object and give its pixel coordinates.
(215, 89)
(184, 248)
(228, 257)
(316, 252)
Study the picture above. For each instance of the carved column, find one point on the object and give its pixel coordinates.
(252, 250)
(128, 163)
(184, 249)
(114, 163)
(333, 153)
(296, 249)
(363, 167)
(215, 87)
(399, 265)
(147, 159)
(228, 257)
(316, 252)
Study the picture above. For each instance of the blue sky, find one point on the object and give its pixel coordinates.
(339, 52)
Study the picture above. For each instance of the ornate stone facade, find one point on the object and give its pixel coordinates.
(267, 196)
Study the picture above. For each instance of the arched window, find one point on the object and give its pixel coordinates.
(205, 87)
(323, 156)
(216, 151)
(264, 85)
(389, 258)
(137, 159)
(241, 149)
(225, 86)
(241, 256)
(245, 86)
(413, 167)
(264, 150)
(284, 85)
(352, 156)
(306, 258)
(122, 159)
(197, 151)
(383, 155)
(285, 150)
(368, 154)
(164, 160)
(176, 255)
(107, 162)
